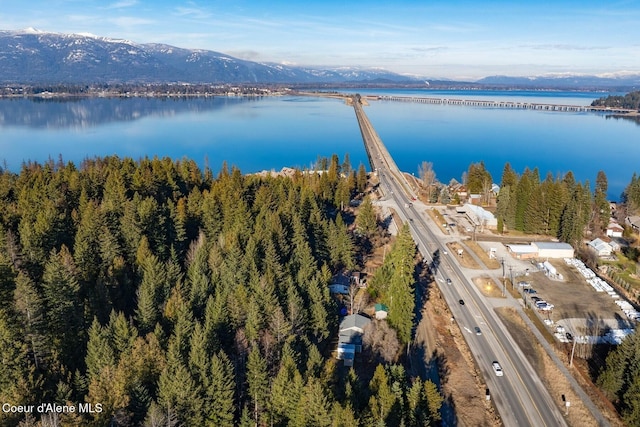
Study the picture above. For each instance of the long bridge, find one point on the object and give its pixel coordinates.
(519, 395)
(501, 104)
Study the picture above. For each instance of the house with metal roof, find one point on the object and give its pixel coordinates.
(479, 216)
(600, 247)
(350, 337)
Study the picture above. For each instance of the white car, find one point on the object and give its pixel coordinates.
(497, 369)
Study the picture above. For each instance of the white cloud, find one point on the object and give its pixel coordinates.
(122, 4)
(192, 12)
(130, 21)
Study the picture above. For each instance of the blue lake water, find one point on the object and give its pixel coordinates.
(269, 133)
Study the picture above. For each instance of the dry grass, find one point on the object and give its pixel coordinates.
(465, 260)
(437, 217)
(488, 287)
(482, 254)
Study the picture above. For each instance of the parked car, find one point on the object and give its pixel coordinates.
(497, 369)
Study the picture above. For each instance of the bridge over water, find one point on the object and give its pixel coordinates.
(501, 104)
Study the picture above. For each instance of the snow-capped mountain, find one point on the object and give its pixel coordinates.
(622, 81)
(33, 56)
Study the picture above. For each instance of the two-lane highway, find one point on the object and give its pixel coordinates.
(519, 394)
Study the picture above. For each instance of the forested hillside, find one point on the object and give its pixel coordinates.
(169, 297)
(630, 101)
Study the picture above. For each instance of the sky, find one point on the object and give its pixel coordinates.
(431, 39)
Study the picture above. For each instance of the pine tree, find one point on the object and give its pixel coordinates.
(199, 357)
(258, 383)
(319, 315)
(178, 392)
(434, 400)
(366, 219)
(150, 293)
(29, 306)
(361, 179)
(400, 296)
(315, 405)
(382, 398)
(100, 354)
(63, 306)
(343, 416)
(122, 334)
(13, 369)
(286, 388)
(219, 395)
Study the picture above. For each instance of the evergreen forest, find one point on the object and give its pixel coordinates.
(165, 296)
(631, 101)
(559, 207)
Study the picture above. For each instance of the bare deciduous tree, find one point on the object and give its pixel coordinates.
(427, 175)
(381, 340)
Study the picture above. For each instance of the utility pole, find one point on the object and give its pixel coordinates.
(511, 273)
(504, 282)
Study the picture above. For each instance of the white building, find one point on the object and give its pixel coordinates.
(553, 249)
(522, 251)
(614, 230)
(600, 247)
(479, 216)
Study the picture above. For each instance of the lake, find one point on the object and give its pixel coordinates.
(267, 133)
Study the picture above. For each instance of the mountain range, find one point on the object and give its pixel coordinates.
(36, 57)
(32, 56)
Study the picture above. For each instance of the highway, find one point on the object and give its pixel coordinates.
(519, 395)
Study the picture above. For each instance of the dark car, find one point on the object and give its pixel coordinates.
(461, 302)
(569, 336)
(448, 281)
(478, 331)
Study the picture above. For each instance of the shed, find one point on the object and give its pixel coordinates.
(554, 249)
(381, 311)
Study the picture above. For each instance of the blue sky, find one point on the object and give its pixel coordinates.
(452, 39)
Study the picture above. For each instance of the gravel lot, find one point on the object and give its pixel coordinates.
(578, 306)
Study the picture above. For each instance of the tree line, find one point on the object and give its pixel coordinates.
(173, 297)
(630, 101)
(554, 206)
